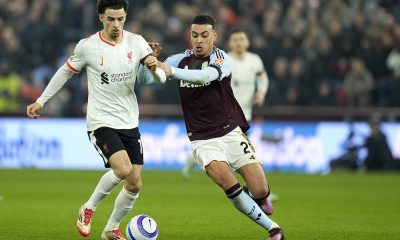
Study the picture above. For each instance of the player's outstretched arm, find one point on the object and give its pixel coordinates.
(145, 76)
(56, 83)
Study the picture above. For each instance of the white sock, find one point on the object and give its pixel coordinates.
(105, 186)
(189, 166)
(249, 207)
(123, 204)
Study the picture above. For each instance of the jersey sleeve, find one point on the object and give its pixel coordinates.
(259, 65)
(174, 60)
(77, 61)
(221, 61)
(261, 75)
(144, 47)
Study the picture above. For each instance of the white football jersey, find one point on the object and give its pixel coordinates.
(244, 78)
(111, 73)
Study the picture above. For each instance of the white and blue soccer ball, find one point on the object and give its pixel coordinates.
(142, 227)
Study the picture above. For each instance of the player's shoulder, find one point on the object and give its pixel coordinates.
(132, 36)
(181, 55)
(219, 53)
(253, 55)
(88, 40)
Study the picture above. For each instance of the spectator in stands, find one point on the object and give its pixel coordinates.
(10, 85)
(358, 84)
(326, 34)
(279, 82)
(325, 94)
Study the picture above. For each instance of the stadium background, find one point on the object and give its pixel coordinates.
(316, 54)
(330, 60)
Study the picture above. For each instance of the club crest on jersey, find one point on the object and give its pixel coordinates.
(129, 56)
(219, 61)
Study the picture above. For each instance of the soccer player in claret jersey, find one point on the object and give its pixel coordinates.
(113, 58)
(215, 123)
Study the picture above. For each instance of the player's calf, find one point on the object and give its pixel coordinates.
(264, 203)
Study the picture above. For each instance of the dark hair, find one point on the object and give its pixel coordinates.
(102, 5)
(237, 30)
(204, 19)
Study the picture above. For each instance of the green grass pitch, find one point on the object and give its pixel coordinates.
(43, 204)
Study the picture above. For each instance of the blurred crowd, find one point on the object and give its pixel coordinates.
(316, 52)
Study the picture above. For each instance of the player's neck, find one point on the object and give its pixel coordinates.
(239, 55)
(108, 38)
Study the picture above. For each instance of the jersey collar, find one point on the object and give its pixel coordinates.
(109, 43)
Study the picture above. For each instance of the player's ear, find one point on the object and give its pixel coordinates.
(247, 43)
(215, 35)
(101, 17)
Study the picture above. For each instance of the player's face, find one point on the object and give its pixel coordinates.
(113, 22)
(238, 42)
(203, 37)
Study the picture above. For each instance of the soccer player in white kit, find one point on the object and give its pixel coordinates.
(113, 59)
(249, 78)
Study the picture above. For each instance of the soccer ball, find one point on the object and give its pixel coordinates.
(142, 227)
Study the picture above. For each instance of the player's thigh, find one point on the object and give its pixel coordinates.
(133, 183)
(221, 174)
(121, 164)
(206, 151)
(109, 145)
(133, 145)
(254, 177)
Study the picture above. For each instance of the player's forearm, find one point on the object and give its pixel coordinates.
(196, 76)
(56, 83)
(146, 76)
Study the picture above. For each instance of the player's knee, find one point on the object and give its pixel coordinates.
(123, 172)
(134, 185)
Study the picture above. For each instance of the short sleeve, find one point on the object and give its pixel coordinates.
(77, 61)
(259, 65)
(220, 60)
(144, 47)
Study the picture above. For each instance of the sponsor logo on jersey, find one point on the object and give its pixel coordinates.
(104, 78)
(192, 85)
(116, 77)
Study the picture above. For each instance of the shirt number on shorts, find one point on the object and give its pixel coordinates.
(246, 149)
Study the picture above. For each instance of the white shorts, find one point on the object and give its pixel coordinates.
(233, 148)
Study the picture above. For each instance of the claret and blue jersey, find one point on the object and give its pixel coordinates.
(209, 106)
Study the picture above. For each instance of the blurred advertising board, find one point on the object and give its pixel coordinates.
(63, 144)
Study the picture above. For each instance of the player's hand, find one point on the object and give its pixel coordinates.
(167, 69)
(259, 99)
(156, 48)
(32, 110)
(151, 63)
